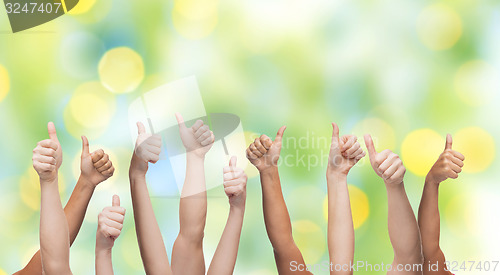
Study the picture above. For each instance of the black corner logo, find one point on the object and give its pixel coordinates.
(26, 14)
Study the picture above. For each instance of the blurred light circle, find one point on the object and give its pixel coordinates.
(420, 149)
(382, 133)
(477, 82)
(89, 110)
(310, 240)
(196, 9)
(439, 27)
(360, 206)
(29, 188)
(2, 272)
(80, 53)
(4, 82)
(478, 147)
(121, 70)
(193, 27)
(83, 6)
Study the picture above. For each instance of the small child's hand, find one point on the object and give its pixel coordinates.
(386, 164)
(448, 165)
(235, 183)
(110, 224)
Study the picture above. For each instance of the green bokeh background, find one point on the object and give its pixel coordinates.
(298, 63)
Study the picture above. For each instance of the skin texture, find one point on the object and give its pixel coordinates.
(95, 168)
(235, 181)
(187, 252)
(403, 228)
(110, 224)
(153, 252)
(448, 165)
(345, 152)
(264, 154)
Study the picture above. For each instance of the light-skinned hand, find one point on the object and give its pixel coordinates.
(448, 165)
(110, 224)
(345, 152)
(47, 156)
(197, 139)
(147, 147)
(386, 164)
(264, 153)
(235, 184)
(95, 167)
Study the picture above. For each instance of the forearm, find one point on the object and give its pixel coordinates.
(103, 262)
(54, 236)
(77, 206)
(224, 258)
(152, 248)
(276, 217)
(429, 220)
(403, 228)
(193, 202)
(340, 224)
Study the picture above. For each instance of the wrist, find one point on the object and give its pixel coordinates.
(86, 182)
(195, 155)
(336, 175)
(138, 166)
(102, 250)
(52, 180)
(237, 209)
(268, 170)
(431, 180)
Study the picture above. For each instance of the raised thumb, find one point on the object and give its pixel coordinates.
(116, 200)
(85, 147)
(52, 131)
(449, 142)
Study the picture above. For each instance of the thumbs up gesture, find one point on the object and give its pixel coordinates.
(235, 183)
(110, 224)
(345, 152)
(198, 138)
(386, 164)
(147, 146)
(47, 155)
(95, 167)
(448, 165)
(264, 153)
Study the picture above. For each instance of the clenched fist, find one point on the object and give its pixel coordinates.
(110, 224)
(235, 184)
(386, 164)
(345, 152)
(264, 153)
(47, 155)
(147, 147)
(448, 165)
(95, 167)
(197, 139)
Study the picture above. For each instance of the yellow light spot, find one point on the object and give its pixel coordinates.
(439, 27)
(2, 272)
(477, 82)
(360, 206)
(195, 19)
(478, 147)
(121, 70)
(420, 149)
(29, 188)
(382, 133)
(89, 111)
(310, 240)
(83, 6)
(4, 82)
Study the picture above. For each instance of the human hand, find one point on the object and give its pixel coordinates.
(47, 156)
(147, 148)
(448, 165)
(197, 139)
(386, 164)
(345, 152)
(263, 153)
(235, 184)
(110, 224)
(95, 167)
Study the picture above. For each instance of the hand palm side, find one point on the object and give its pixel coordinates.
(191, 143)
